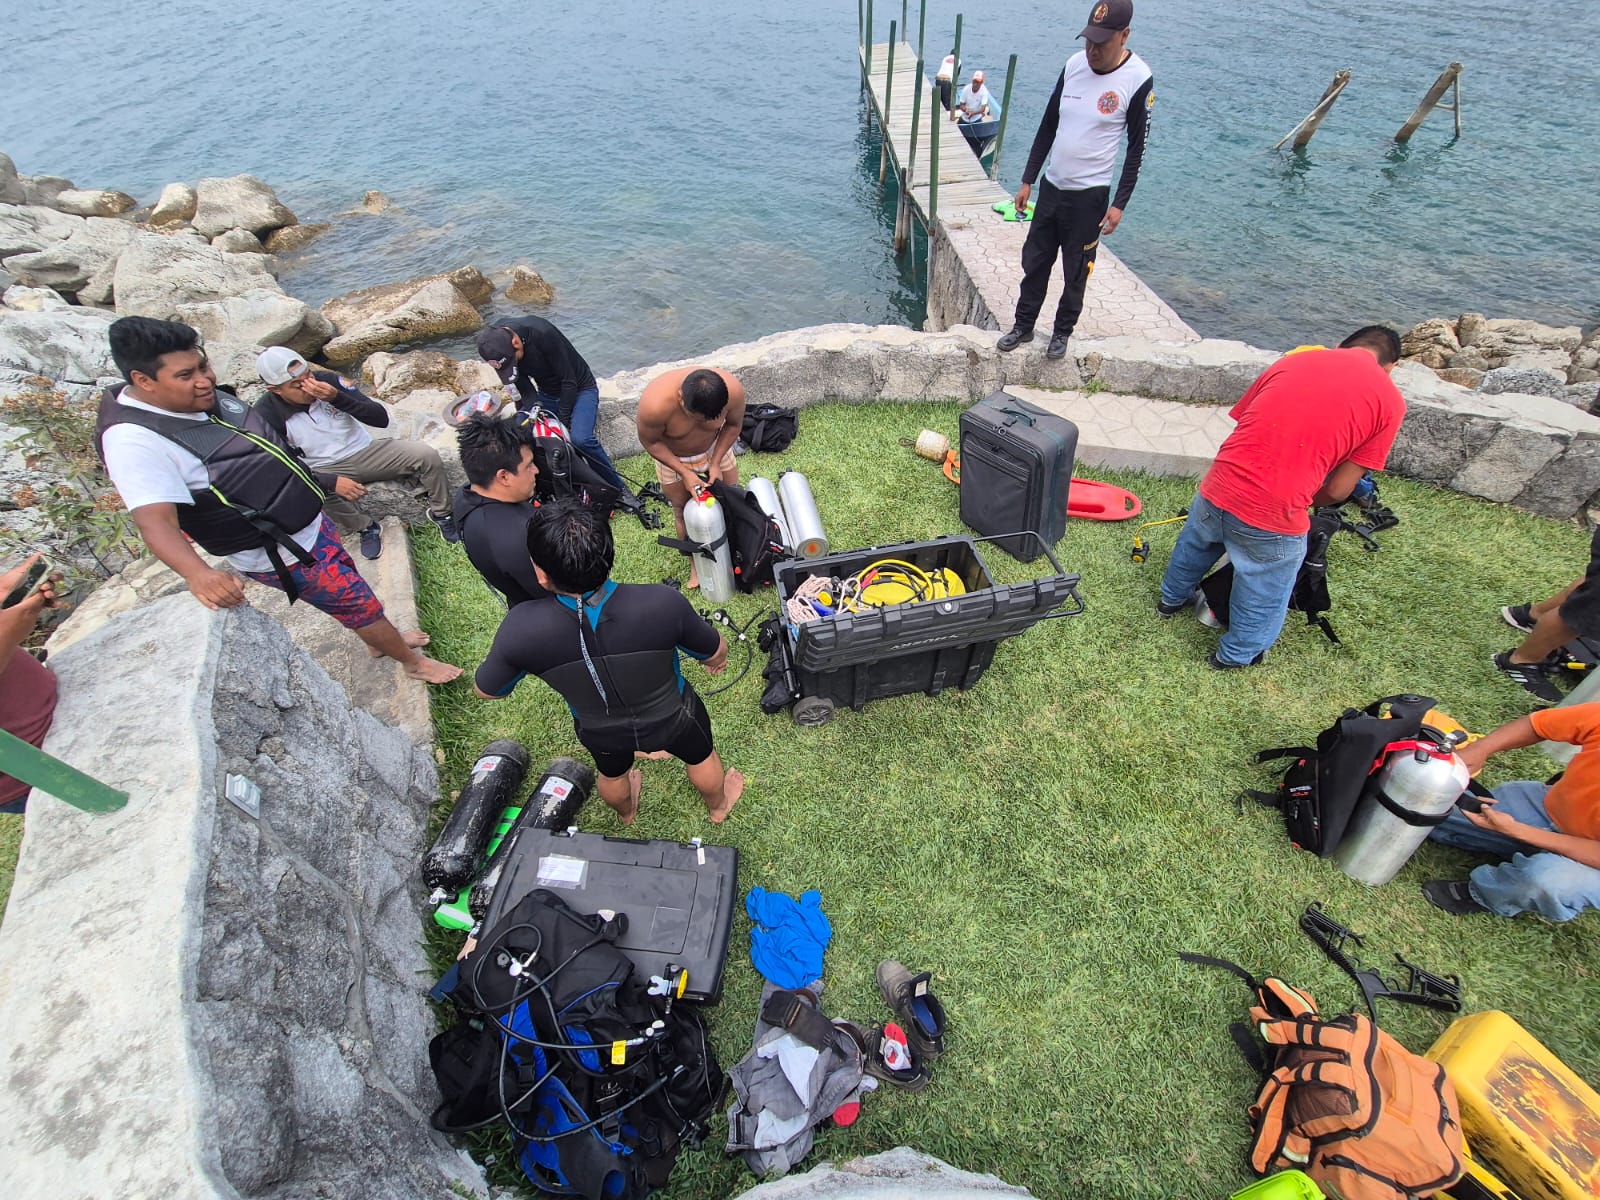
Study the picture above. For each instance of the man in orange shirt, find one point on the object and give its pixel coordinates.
(1547, 834)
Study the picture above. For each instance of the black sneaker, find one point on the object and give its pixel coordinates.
(1167, 611)
(371, 541)
(1452, 895)
(1057, 347)
(913, 1078)
(912, 1000)
(1216, 664)
(447, 527)
(1518, 616)
(1530, 677)
(1013, 339)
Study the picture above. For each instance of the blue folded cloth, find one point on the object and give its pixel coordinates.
(788, 936)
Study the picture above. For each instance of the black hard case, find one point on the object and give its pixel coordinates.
(1016, 472)
(679, 898)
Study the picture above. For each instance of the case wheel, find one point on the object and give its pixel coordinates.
(813, 710)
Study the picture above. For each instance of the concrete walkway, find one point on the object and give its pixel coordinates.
(1163, 437)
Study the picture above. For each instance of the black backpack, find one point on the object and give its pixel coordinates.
(1323, 784)
(599, 1082)
(754, 542)
(768, 429)
(1310, 594)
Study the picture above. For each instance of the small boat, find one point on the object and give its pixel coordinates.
(980, 135)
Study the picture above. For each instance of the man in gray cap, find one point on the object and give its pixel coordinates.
(1104, 89)
(325, 417)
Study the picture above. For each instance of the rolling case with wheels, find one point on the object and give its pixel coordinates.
(1016, 472)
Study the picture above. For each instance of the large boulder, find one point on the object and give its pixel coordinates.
(377, 318)
(259, 317)
(26, 228)
(1505, 342)
(238, 241)
(93, 203)
(33, 299)
(155, 274)
(241, 202)
(63, 346)
(293, 237)
(176, 205)
(43, 189)
(1525, 381)
(1431, 343)
(391, 376)
(70, 265)
(11, 190)
(527, 286)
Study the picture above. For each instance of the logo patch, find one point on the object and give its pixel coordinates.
(1150, 100)
(1099, 13)
(1108, 103)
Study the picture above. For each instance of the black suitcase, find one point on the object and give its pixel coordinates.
(1016, 472)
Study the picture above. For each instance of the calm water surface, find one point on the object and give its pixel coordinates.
(697, 173)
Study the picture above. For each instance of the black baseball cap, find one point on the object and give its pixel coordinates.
(1107, 19)
(495, 348)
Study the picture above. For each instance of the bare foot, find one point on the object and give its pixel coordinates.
(732, 789)
(431, 671)
(694, 578)
(635, 784)
(653, 756)
(414, 638)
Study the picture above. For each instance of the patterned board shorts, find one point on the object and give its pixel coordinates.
(331, 582)
(698, 463)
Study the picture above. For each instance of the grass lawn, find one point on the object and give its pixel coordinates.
(1049, 841)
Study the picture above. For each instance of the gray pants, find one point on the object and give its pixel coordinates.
(385, 459)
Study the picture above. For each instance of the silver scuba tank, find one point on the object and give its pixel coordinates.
(1409, 795)
(767, 496)
(800, 510)
(703, 522)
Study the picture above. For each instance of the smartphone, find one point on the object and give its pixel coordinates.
(29, 584)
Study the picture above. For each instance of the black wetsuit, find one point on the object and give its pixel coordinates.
(494, 534)
(616, 665)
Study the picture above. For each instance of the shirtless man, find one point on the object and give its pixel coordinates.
(688, 421)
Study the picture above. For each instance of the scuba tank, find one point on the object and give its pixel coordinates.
(1415, 789)
(553, 804)
(704, 524)
(456, 853)
(804, 521)
(767, 496)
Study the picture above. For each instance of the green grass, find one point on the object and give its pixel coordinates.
(1049, 841)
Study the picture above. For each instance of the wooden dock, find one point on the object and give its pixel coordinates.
(975, 255)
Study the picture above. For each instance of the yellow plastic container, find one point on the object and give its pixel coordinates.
(1285, 1185)
(1526, 1115)
(1478, 1183)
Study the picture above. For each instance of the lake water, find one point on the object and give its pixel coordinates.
(697, 173)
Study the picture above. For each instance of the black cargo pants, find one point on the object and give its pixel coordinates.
(1068, 224)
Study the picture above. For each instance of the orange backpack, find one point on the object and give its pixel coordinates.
(1347, 1104)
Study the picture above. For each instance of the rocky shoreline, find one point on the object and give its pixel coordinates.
(1500, 355)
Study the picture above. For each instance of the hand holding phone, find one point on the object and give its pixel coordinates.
(34, 575)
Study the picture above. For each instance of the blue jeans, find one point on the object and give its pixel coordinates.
(1264, 568)
(580, 423)
(1529, 880)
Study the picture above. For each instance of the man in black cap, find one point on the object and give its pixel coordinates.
(1104, 89)
(549, 373)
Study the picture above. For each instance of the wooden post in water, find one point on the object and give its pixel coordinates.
(922, 25)
(1005, 109)
(955, 80)
(933, 162)
(888, 93)
(34, 767)
(916, 120)
(902, 211)
(868, 67)
(1451, 77)
(904, 25)
(1302, 133)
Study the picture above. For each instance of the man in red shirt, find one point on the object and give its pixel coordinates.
(27, 688)
(1547, 834)
(1308, 429)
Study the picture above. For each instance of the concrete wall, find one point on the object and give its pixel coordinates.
(201, 1003)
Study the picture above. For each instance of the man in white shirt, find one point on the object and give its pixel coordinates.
(974, 102)
(191, 459)
(325, 417)
(1104, 89)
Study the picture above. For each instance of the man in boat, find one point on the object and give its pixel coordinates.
(688, 420)
(974, 103)
(1104, 90)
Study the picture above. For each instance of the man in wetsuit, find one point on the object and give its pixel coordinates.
(612, 651)
(1104, 89)
(492, 508)
(688, 421)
